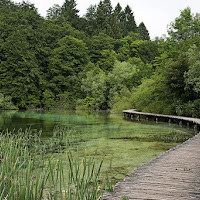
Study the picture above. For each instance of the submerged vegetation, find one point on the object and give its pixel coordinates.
(103, 60)
(64, 165)
(27, 172)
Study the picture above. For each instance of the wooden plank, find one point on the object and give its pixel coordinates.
(173, 175)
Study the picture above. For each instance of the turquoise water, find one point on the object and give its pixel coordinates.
(127, 144)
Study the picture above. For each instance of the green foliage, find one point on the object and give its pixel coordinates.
(97, 44)
(152, 96)
(192, 76)
(105, 90)
(121, 101)
(65, 101)
(142, 70)
(122, 79)
(85, 104)
(131, 46)
(107, 60)
(68, 61)
(94, 86)
(103, 16)
(19, 62)
(54, 12)
(174, 77)
(48, 99)
(147, 51)
(124, 49)
(121, 75)
(144, 34)
(128, 21)
(191, 109)
(41, 58)
(6, 103)
(185, 27)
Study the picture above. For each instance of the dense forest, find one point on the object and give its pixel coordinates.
(103, 60)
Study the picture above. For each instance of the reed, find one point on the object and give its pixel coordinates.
(27, 173)
(17, 164)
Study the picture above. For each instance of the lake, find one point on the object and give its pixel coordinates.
(123, 144)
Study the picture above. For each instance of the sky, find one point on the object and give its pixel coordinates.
(156, 14)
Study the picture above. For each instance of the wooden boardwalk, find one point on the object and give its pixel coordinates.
(174, 175)
(167, 118)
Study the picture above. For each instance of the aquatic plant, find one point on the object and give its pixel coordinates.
(27, 173)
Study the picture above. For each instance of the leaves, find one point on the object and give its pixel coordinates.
(192, 76)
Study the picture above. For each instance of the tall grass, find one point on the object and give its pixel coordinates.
(27, 173)
(17, 180)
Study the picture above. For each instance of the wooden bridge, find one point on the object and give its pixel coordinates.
(174, 175)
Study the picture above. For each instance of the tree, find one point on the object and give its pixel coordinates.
(152, 96)
(20, 52)
(121, 76)
(66, 61)
(192, 76)
(186, 26)
(6, 3)
(144, 33)
(107, 8)
(173, 72)
(97, 44)
(121, 101)
(107, 60)
(6, 103)
(54, 12)
(124, 47)
(103, 16)
(143, 71)
(128, 21)
(91, 13)
(115, 31)
(48, 99)
(146, 50)
(119, 13)
(90, 16)
(69, 13)
(19, 70)
(94, 86)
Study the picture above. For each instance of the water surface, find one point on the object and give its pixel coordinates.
(127, 144)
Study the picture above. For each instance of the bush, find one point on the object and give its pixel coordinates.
(192, 109)
(48, 99)
(6, 103)
(65, 101)
(121, 100)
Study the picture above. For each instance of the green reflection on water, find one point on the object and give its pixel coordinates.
(128, 144)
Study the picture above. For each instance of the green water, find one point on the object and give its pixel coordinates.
(127, 144)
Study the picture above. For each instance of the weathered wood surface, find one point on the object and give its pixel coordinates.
(174, 175)
(186, 119)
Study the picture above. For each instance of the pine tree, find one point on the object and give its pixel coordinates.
(104, 13)
(144, 33)
(54, 12)
(90, 17)
(129, 21)
(119, 13)
(116, 30)
(69, 12)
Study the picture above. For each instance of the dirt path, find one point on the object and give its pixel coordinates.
(174, 175)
